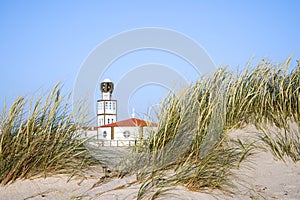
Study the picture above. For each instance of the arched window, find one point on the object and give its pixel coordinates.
(104, 134)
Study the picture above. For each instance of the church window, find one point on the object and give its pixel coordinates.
(126, 134)
(104, 134)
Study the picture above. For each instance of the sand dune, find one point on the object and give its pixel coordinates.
(262, 177)
(267, 179)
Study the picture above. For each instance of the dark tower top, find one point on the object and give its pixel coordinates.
(107, 87)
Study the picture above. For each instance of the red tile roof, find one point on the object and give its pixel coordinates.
(130, 122)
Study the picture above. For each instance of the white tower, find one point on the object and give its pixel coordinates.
(106, 108)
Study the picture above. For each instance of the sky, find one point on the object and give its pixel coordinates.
(43, 42)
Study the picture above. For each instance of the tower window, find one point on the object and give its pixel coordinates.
(106, 105)
(110, 105)
(114, 105)
(108, 120)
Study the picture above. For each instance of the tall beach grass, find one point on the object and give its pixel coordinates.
(39, 137)
(191, 146)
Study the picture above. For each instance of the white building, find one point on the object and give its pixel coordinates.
(106, 107)
(111, 132)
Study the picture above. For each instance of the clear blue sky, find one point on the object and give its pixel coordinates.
(43, 42)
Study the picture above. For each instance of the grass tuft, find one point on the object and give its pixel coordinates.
(39, 137)
(191, 146)
(284, 143)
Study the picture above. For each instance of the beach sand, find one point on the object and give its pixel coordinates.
(262, 177)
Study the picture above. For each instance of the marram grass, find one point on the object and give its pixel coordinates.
(39, 137)
(191, 146)
(284, 143)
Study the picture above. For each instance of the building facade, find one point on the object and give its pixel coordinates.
(109, 131)
(106, 107)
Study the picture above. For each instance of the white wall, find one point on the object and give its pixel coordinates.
(107, 107)
(100, 119)
(100, 107)
(90, 134)
(101, 133)
(119, 139)
(106, 119)
(107, 112)
(133, 133)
